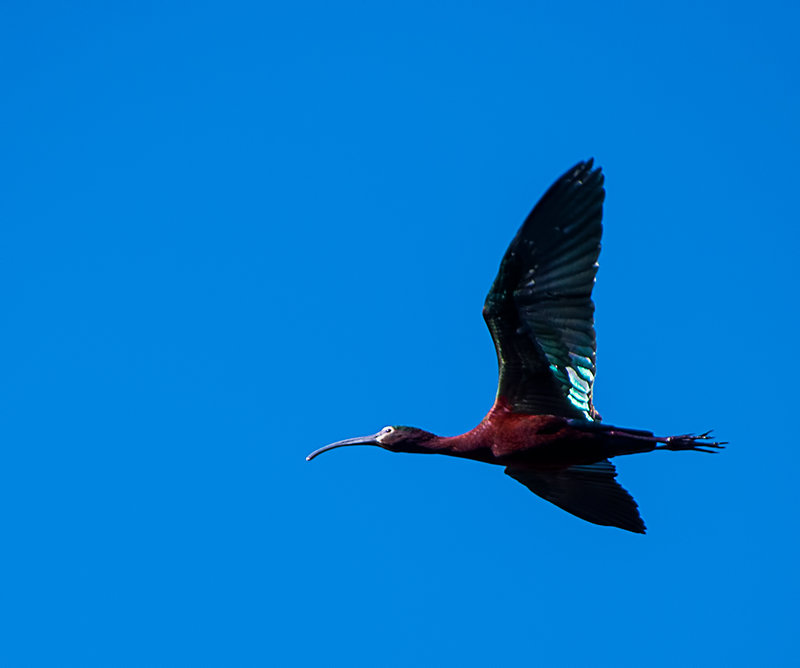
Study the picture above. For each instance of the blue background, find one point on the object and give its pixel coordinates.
(234, 232)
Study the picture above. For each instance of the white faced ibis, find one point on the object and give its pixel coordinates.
(543, 427)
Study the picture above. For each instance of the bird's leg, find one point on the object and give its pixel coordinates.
(699, 443)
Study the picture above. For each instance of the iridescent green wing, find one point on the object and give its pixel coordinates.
(540, 311)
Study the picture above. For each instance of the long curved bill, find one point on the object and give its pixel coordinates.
(358, 440)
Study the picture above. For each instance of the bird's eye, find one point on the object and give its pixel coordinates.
(387, 430)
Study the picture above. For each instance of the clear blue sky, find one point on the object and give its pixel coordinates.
(234, 232)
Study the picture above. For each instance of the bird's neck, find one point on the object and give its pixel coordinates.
(474, 444)
(477, 442)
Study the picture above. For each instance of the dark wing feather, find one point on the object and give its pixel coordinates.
(589, 492)
(540, 311)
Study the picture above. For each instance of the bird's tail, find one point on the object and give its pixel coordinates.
(623, 441)
(631, 441)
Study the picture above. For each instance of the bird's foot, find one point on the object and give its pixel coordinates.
(698, 443)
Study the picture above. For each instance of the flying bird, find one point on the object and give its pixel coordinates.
(543, 427)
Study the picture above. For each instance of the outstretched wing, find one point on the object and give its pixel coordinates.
(540, 311)
(589, 492)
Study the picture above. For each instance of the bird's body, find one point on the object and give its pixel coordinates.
(546, 441)
(543, 427)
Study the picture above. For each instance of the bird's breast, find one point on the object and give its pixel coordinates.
(546, 440)
(518, 434)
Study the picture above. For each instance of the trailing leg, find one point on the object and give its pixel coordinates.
(700, 443)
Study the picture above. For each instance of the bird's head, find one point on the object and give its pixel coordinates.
(392, 438)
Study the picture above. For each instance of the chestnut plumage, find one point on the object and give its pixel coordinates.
(543, 427)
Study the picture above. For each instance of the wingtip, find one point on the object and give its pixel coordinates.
(634, 524)
(583, 166)
(584, 169)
